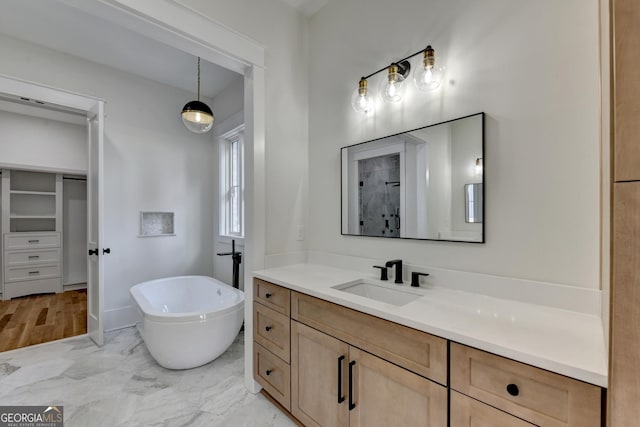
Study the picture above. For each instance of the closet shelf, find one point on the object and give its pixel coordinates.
(32, 216)
(34, 193)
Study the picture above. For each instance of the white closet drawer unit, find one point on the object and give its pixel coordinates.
(41, 286)
(31, 240)
(24, 257)
(16, 274)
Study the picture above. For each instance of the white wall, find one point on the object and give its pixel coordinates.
(282, 30)
(74, 231)
(151, 163)
(531, 66)
(38, 142)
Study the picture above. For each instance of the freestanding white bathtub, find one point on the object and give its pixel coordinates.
(188, 321)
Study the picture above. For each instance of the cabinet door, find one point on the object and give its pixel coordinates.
(386, 395)
(468, 412)
(318, 393)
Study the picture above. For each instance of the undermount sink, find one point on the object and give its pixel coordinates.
(378, 292)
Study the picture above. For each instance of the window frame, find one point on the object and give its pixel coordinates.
(225, 177)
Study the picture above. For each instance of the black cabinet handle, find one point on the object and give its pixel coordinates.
(267, 295)
(267, 328)
(340, 396)
(93, 251)
(268, 371)
(351, 404)
(34, 241)
(513, 390)
(106, 251)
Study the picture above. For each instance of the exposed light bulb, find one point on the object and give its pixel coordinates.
(392, 89)
(430, 75)
(361, 100)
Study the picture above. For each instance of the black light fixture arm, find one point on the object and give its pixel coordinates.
(396, 63)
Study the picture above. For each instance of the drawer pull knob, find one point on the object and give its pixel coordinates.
(34, 256)
(513, 390)
(34, 241)
(34, 273)
(268, 371)
(267, 295)
(267, 328)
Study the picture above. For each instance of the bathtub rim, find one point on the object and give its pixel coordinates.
(149, 312)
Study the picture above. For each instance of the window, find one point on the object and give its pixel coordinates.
(232, 184)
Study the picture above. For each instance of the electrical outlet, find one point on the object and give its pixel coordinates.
(300, 233)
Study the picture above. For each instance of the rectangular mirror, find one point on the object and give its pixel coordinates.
(422, 184)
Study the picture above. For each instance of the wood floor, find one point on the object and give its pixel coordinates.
(36, 319)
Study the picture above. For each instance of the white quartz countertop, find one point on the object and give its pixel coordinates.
(561, 341)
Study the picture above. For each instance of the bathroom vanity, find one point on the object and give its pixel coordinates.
(331, 358)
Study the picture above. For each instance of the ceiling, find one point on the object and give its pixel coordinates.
(63, 28)
(307, 7)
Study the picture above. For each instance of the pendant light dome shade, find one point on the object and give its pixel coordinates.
(196, 115)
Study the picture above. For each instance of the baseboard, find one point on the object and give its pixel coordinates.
(119, 318)
(74, 286)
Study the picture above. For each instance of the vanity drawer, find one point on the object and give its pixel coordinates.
(273, 374)
(468, 412)
(414, 350)
(30, 287)
(16, 274)
(538, 396)
(273, 296)
(272, 330)
(31, 240)
(43, 256)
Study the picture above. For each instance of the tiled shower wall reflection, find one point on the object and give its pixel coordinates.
(379, 196)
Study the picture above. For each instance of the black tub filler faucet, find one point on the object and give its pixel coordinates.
(236, 257)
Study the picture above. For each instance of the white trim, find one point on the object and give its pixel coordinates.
(19, 87)
(120, 318)
(21, 166)
(179, 26)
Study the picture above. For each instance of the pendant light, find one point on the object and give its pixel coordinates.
(196, 115)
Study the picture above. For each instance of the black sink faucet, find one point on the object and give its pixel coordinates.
(398, 264)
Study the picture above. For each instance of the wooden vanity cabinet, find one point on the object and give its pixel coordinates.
(541, 397)
(332, 366)
(468, 412)
(335, 384)
(272, 338)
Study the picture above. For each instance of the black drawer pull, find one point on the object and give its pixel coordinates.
(340, 395)
(513, 390)
(267, 295)
(268, 371)
(267, 328)
(34, 273)
(352, 405)
(34, 241)
(34, 256)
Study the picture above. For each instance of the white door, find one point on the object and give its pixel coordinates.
(95, 208)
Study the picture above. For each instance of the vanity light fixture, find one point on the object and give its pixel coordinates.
(392, 89)
(196, 115)
(429, 76)
(361, 100)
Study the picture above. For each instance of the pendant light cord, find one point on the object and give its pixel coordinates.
(198, 78)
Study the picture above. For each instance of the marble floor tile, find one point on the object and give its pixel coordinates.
(121, 385)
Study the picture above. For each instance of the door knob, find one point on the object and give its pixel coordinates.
(93, 251)
(106, 251)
